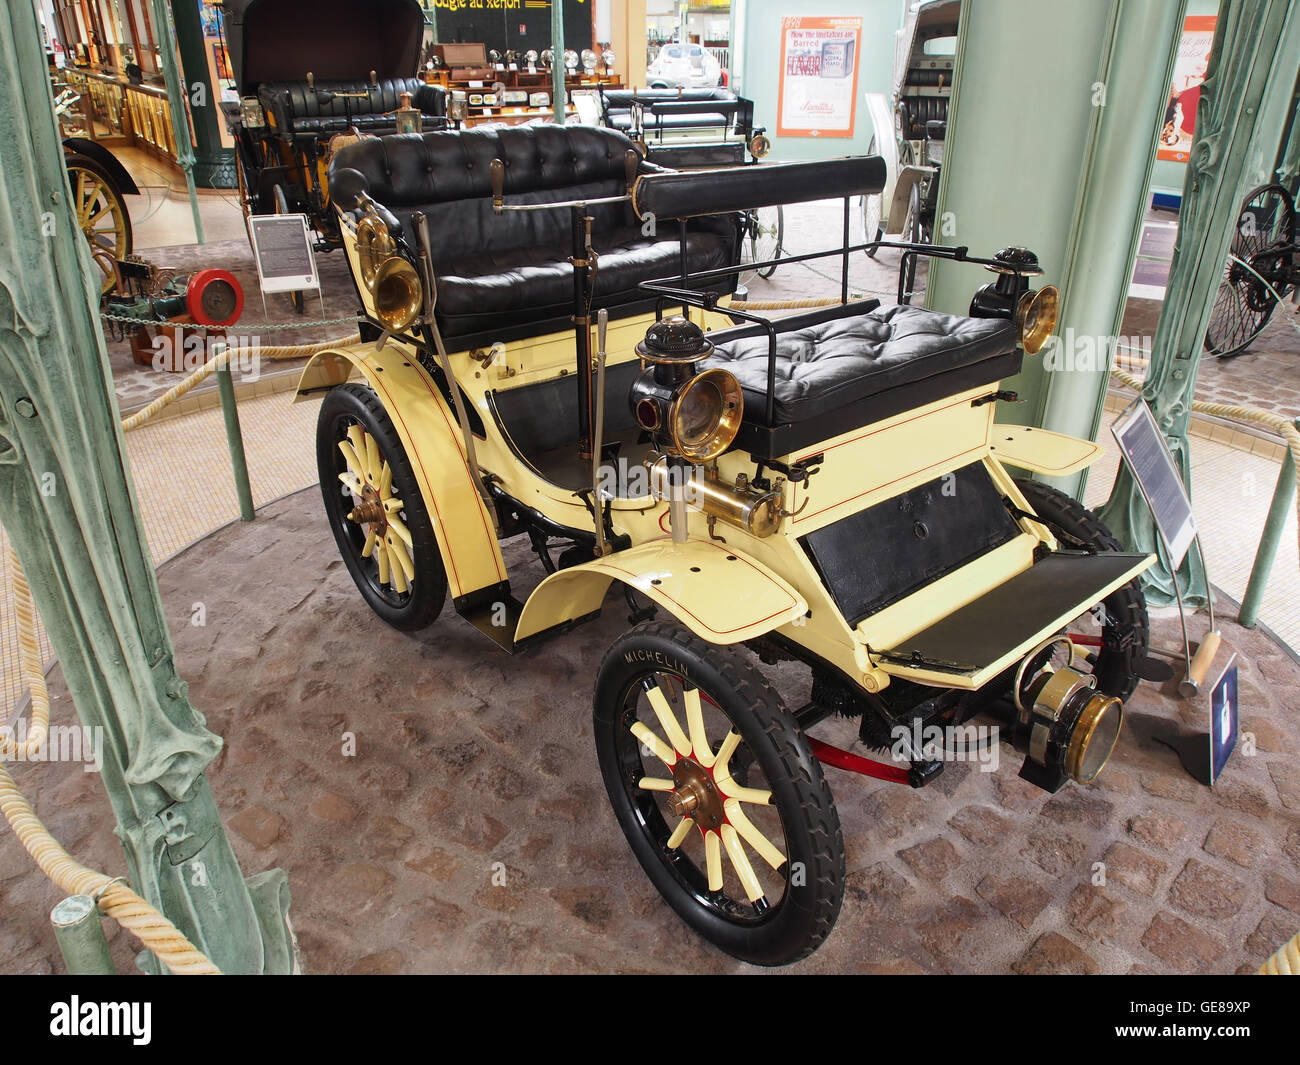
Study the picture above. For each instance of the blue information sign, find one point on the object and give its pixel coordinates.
(1223, 718)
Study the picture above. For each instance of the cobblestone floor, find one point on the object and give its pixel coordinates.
(467, 758)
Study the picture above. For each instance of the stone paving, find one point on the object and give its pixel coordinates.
(470, 763)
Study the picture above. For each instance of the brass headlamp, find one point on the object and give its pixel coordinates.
(393, 283)
(1034, 312)
(691, 414)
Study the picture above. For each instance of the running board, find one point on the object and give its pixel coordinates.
(975, 643)
(497, 620)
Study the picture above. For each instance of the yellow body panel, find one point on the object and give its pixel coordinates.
(432, 441)
(1041, 450)
(716, 592)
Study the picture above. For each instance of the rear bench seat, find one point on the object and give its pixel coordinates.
(844, 367)
(504, 277)
(302, 113)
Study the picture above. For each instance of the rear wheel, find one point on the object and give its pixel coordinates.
(1253, 279)
(719, 795)
(102, 216)
(376, 511)
(1117, 632)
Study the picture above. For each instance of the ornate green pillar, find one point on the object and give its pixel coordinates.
(67, 505)
(214, 166)
(162, 21)
(1243, 105)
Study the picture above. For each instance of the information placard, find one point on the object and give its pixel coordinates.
(1153, 467)
(282, 248)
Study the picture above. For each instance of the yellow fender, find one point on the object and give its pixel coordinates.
(1041, 450)
(720, 594)
(431, 437)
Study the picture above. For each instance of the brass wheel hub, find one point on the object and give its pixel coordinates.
(695, 795)
(370, 511)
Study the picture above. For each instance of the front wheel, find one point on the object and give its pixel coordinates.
(375, 509)
(720, 797)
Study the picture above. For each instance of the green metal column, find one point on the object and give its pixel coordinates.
(162, 21)
(214, 166)
(1054, 118)
(67, 505)
(1243, 106)
(559, 96)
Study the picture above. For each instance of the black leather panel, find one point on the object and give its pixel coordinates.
(831, 364)
(746, 187)
(305, 111)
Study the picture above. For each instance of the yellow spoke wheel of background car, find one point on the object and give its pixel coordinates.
(719, 795)
(375, 509)
(101, 216)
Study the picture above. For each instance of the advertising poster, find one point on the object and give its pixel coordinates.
(1185, 93)
(819, 76)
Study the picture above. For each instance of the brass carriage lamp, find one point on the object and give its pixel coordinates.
(1034, 312)
(410, 119)
(690, 413)
(609, 59)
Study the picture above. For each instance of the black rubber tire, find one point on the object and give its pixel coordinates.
(796, 925)
(421, 604)
(1127, 630)
(768, 271)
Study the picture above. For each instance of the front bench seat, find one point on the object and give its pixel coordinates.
(845, 367)
(304, 113)
(508, 276)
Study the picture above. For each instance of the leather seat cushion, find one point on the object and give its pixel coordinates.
(302, 110)
(507, 287)
(831, 364)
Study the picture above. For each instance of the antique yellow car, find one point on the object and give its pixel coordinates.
(550, 351)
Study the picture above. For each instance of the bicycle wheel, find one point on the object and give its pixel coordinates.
(871, 209)
(912, 233)
(1255, 273)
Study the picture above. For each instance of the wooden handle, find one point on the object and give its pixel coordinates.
(1203, 659)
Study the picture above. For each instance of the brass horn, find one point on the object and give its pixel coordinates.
(397, 293)
(375, 245)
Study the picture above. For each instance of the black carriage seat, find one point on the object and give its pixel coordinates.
(508, 276)
(840, 368)
(302, 112)
(616, 106)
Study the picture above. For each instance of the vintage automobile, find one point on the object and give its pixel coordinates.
(910, 132)
(830, 489)
(689, 129)
(684, 65)
(306, 88)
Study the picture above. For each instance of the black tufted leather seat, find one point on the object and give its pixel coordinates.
(849, 366)
(303, 113)
(616, 105)
(502, 277)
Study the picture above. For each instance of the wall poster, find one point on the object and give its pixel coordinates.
(819, 76)
(1185, 93)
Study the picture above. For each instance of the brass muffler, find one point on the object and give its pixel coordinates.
(756, 511)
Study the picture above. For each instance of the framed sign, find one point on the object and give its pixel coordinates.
(1223, 718)
(1153, 467)
(819, 76)
(1185, 91)
(282, 248)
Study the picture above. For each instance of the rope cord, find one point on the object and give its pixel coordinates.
(293, 351)
(112, 894)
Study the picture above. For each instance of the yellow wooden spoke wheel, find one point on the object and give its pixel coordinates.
(718, 793)
(101, 216)
(376, 511)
